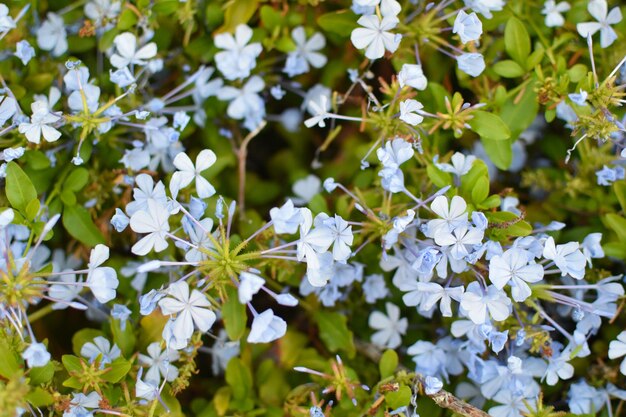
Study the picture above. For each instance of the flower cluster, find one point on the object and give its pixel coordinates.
(363, 207)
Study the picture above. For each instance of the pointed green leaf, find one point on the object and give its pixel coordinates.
(19, 188)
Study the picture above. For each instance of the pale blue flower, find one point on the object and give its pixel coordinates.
(471, 63)
(122, 313)
(24, 51)
(119, 220)
(374, 288)
(36, 355)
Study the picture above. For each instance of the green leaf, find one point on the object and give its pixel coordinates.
(10, 362)
(615, 250)
(619, 187)
(125, 339)
(469, 180)
(577, 72)
(400, 398)
(341, 23)
(534, 59)
(237, 12)
(73, 382)
(126, 20)
(519, 112)
(78, 223)
(499, 152)
(72, 363)
(334, 331)
(438, 177)
(388, 363)
(239, 377)
(41, 374)
(481, 190)
(221, 400)
(117, 370)
(234, 314)
(508, 69)
(39, 397)
(270, 17)
(616, 223)
(517, 41)
(492, 201)
(76, 180)
(504, 224)
(165, 7)
(32, 209)
(489, 126)
(19, 188)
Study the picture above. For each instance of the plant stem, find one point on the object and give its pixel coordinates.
(242, 153)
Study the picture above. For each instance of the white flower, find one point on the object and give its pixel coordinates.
(429, 359)
(266, 327)
(199, 235)
(39, 124)
(485, 7)
(514, 266)
(306, 53)
(585, 399)
(187, 172)
(320, 112)
(191, 310)
(471, 63)
(413, 76)
(461, 164)
(8, 107)
(249, 284)
(599, 10)
(145, 191)
(51, 35)
(126, 52)
(553, 11)
(390, 327)
(341, 232)
(452, 216)
(458, 240)
(62, 293)
(80, 402)
(24, 51)
(6, 21)
(375, 35)
(591, 247)
(6, 217)
(306, 188)
(286, 219)
(148, 389)
(102, 280)
(155, 223)
(159, 363)
(617, 349)
(467, 26)
(313, 240)
(77, 81)
(36, 355)
(244, 102)
(100, 347)
(558, 368)
(434, 292)
(568, 258)
(395, 153)
(479, 304)
(238, 58)
(409, 112)
(101, 10)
